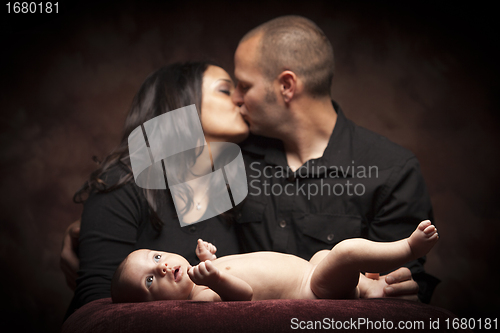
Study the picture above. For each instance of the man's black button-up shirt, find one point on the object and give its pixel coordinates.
(363, 186)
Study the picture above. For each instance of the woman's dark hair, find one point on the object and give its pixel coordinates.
(167, 89)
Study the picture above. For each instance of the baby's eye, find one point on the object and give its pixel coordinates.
(157, 257)
(149, 281)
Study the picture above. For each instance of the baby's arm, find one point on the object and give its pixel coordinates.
(205, 251)
(228, 287)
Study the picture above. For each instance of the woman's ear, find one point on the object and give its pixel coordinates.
(288, 85)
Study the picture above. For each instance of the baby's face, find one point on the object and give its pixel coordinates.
(154, 275)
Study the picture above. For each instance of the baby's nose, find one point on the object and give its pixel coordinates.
(162, 269)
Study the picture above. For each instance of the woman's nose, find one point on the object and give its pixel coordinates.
(162, 269)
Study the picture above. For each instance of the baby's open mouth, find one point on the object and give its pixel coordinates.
(177, 274)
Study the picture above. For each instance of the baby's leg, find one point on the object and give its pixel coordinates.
(318, 257)
(337, 275)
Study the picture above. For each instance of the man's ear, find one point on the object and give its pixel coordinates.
(288, 85)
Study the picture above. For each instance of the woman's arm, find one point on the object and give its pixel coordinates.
(69, 262)
(108, 234)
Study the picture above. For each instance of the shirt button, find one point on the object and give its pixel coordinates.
(192, 229)
(282, 223)
(329, 237)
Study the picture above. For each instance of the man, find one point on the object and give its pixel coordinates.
(310, 181)
(323, 179)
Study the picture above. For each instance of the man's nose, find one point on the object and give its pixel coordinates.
(237, 98)
(162, 269)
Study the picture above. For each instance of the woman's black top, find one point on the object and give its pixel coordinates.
(115, 224)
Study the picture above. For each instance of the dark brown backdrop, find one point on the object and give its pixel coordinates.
(423, 76)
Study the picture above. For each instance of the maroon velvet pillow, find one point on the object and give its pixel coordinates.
(257, 316)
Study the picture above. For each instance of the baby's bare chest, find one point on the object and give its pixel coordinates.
(271, 275)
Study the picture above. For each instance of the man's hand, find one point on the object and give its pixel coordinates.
(205, 250)
(205, 274)
(397, 284)
(69, 261)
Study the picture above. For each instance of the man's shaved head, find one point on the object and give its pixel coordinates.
(297, 44)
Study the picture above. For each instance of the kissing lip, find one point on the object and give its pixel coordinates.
(245, 118)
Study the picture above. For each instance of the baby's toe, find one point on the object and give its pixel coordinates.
(424, 224)
(430, 231)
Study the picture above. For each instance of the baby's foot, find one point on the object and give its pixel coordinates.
(423, 239)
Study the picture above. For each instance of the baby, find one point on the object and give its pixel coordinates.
(147, 275)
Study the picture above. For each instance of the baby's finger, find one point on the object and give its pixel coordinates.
(191, 273)
(210, 267)
(199, 247)
(195, 274)
(203, 268)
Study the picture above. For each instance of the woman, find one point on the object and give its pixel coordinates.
(119, 216)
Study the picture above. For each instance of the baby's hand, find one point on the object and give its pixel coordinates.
(205, 250)
(204, 273)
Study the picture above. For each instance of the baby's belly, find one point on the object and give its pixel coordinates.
(271, 275)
